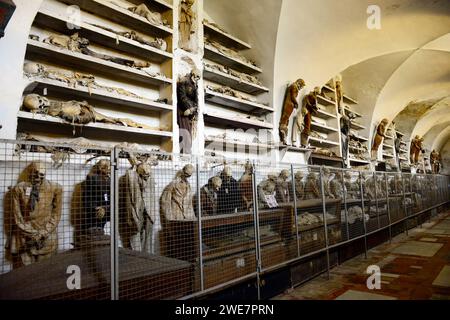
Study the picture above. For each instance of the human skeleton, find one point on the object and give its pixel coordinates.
(75, 112)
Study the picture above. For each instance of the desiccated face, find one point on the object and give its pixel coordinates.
(34, 102)
(300, 83)
(216, 183)
(37, 173)
(188, 170)
(33, 68)
(144, 171)
(103, 168)
(284, 174)
(299, 175)
(317, 90)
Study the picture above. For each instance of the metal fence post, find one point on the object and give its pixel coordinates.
(375, 179)
(363, 213)
(295, 209)
(114, 221)
(345, 205)
(388, 207)
(403, 206)
(256, 227)
(199, 231)
(324, 210)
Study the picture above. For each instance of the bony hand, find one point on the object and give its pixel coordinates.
(188, 112)
(37, 237)
(100, 212)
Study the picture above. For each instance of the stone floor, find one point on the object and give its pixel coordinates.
(413, 267)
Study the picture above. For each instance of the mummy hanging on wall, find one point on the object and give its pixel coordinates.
(36, 211)
(186, 24)
(137, 205)
(176, 199)
(187, 110)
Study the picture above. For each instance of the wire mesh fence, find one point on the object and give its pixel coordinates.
(55, 222)
(80, 222)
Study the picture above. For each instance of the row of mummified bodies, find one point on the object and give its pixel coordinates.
(277, 189)
(143, 11)
(75, 43)
(34, 208)
(232, 93)
(74, 112)
(242, 76)
(228, 51)
(73, 79)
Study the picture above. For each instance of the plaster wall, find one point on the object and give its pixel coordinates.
(12, 53)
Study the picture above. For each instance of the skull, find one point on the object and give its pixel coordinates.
(31, 68)
(144, 171)
(102, 168)
(188, 170)
(299, 175)
(37, 172)
(284, 174)
(162, 44)
(216, 183)
(34, 102)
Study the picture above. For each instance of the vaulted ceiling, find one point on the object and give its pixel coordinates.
(400, 72)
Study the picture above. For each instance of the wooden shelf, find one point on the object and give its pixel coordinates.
(235, 103)
(324, 101)
(233, 82)
(105, 38)
(235, 121)
(357, 126)
(358, 138)
(326, 159)
(359, 161)
(214, 55)
(388, 146)
(329, 88)
(349, 100)
(224, 38)
(83, 93)
(322, 143)
(156, 5)
(356, 148)
(238, 143)
(325, 115)
(348, 110)
(28, 116)
(403, 158)
(321, 128)
(388, 156)
(36, 49)
(110, 11)
(294, 149)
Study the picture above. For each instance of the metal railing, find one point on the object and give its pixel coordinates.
(82, 222)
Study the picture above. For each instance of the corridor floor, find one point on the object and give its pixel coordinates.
(414, 267)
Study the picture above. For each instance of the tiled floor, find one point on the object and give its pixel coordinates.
(416, 266)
